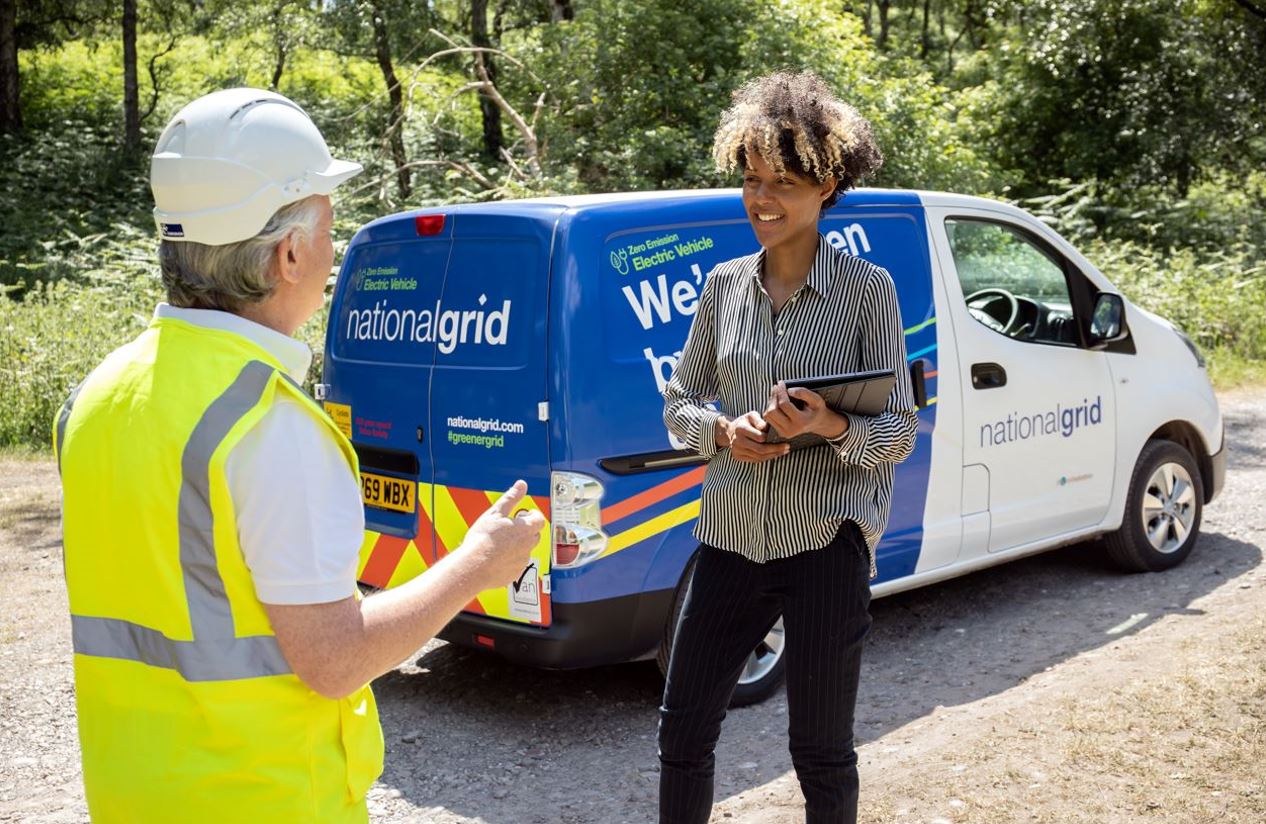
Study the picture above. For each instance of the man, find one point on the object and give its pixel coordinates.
(212, 512)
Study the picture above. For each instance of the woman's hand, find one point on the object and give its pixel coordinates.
(815, 418)
(745, 437)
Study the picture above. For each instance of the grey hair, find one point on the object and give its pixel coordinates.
(235, 275)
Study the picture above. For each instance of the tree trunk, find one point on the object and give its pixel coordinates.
(280, 66)
(10, 105)
(279, 41)
(560, 10)
(970, 25)
(884, 7)
(131, 92)
(395, 130)
(487, 106)
(924, 45)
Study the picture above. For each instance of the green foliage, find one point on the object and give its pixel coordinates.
(638, 88)
(52, 339)
(64, 193)
(1134, 127)
(629, 116)
(1218, 298)
(1142, 93)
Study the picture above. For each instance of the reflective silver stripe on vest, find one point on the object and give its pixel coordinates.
(214, 654)
(230, 659)
(62, 418)
(209, 611)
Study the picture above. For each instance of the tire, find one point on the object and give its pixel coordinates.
(766, 666)
(1163, 510)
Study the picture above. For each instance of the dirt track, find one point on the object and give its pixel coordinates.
(1052, 690)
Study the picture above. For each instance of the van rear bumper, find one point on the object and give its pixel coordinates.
(587, 634)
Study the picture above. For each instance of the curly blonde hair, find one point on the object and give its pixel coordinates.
(795, 123)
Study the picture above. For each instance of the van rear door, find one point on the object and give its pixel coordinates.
(487, 424)
(378, 359)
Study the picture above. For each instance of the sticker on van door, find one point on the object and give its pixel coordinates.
(524, 594)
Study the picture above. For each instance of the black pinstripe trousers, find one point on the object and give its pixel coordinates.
(823, 596)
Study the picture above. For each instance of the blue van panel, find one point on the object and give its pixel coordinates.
(584, 302)
(627, 277)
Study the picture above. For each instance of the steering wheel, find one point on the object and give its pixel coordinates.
(977, 301)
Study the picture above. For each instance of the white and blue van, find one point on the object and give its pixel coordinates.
(472, 345)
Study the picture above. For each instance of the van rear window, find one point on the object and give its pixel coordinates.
(462, 303)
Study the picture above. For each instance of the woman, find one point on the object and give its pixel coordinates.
(783, 532)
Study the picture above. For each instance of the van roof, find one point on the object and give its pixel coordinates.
(535, 208)
(861, 196)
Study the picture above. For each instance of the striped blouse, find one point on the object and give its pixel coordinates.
(845, 318)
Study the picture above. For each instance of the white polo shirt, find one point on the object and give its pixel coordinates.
(299, 516)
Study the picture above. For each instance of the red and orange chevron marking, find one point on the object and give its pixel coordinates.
(448, 512)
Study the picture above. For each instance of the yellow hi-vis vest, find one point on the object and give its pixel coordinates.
(187, 710)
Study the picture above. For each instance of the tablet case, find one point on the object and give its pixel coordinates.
(858, 393)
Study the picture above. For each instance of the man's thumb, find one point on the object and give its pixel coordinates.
(512, 497)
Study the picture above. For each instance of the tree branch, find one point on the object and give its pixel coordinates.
(456, 165)
(1252, 8)
(529, 136)
(153, 77)
(514, 167)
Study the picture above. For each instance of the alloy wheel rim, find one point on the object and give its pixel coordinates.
(1169, 508)
(763, 659)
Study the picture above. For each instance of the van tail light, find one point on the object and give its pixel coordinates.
(428, 224)
(576, 519)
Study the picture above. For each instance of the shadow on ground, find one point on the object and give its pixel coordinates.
(536, 732)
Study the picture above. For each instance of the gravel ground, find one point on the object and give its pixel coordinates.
(1052, 689)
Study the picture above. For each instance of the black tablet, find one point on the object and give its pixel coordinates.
(861, 393)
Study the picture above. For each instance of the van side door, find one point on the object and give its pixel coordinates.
(1039, 412)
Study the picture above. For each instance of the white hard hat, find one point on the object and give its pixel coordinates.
(229, 160)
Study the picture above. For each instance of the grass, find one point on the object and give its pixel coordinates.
(25, 452)
(1229, 370)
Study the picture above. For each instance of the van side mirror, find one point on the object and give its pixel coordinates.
(1107, 322)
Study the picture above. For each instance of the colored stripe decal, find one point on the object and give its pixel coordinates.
(921, 326)
(471, 503)
(654, 495)
(921, 352)
(674, 517)
(383, 560)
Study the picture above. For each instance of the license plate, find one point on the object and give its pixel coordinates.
(388, 493)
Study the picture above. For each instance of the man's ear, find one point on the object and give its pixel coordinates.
(285, 260)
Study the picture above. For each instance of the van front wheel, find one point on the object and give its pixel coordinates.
(764, 670)
(1162, 512)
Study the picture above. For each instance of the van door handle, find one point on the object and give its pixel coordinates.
(918, 384)
(988, 376)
